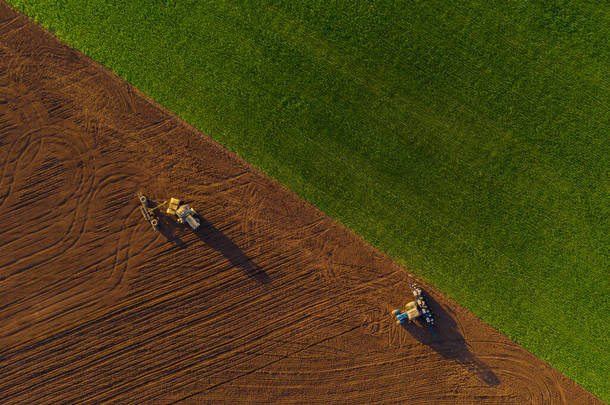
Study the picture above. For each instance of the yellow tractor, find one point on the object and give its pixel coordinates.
(185, 214)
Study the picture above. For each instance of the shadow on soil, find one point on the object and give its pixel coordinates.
(169, 229)
(450, 343)
(217, 240)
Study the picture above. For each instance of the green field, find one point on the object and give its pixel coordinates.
(469, 140)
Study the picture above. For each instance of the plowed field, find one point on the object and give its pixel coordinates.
(270, 301)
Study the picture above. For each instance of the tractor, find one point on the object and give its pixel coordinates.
(416, 309)
(184, 213)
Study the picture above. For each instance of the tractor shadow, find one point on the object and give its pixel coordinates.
(450, 343)
(214, 238)
(170, 230)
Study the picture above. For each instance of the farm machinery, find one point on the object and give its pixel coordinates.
(148, 212)
(416, 309)
(185, 214)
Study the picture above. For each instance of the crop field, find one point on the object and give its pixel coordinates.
(468, 141)
(269, 301)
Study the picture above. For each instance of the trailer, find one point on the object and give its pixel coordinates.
(148, 212)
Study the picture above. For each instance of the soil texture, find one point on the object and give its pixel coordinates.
(269, 301)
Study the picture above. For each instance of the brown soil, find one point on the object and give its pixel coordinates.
(271, 301)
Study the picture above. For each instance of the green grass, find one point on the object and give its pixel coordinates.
(469, 140)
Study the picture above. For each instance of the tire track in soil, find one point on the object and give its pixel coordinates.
(270, 301)
(72, 230)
